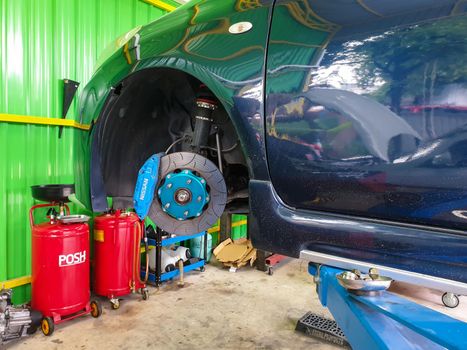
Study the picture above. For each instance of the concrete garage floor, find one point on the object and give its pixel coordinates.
(216, 309)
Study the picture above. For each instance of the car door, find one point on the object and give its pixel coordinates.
(366, 111)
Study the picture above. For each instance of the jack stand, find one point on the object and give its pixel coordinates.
(384, 320)
(272, 261)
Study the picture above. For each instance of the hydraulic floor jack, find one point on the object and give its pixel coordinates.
(369, 317)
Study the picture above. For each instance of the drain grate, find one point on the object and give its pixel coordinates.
(322, 328)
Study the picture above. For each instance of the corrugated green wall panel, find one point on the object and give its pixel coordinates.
(43, 42)
(239, 231)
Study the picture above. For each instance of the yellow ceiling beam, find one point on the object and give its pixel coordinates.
(161, 4)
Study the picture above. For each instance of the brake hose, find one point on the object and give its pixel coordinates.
(146, 250)
(136, 260)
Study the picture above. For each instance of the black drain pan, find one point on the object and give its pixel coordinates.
(53, 193)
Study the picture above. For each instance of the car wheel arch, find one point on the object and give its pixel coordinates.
(118, 155)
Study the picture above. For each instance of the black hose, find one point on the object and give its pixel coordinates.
(174, 143)
(230, 149)
(219, 152)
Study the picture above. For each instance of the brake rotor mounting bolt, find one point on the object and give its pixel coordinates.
(203, 181)
(185, 172)
(185, 213)
(199, 198)
(167, 206)
(198, 214)
(169, 176)
(188, 181)
(169, 186)
(207, 198)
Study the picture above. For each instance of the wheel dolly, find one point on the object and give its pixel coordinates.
(378, 319)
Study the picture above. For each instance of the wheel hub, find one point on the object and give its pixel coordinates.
(183, 195)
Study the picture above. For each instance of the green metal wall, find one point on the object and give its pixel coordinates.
(42, 42)
(238, 231)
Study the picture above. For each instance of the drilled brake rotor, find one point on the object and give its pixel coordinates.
(190, 196)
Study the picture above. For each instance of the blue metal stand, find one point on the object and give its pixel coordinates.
(157, 277)
(386, 321)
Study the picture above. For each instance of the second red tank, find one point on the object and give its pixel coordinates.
(117, 238)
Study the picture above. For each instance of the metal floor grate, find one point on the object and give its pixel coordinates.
(322, 328)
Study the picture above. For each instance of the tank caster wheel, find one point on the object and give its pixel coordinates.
(96, 309)
(47, 326)
(36, 318)
(115, 304)
(31, 330)
(145, 293)
(270, 271)
(202, 269)
(450, 300)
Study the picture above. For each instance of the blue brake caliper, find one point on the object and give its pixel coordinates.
(146, 185)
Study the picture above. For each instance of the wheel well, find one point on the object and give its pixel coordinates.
(146, 113)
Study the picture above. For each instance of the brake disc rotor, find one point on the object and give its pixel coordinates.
(190, 196)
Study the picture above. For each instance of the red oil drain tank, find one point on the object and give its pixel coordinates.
(117, 237)
(60, 269)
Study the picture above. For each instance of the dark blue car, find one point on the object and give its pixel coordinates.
(339, 126)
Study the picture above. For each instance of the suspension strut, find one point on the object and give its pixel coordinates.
(205, 106)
